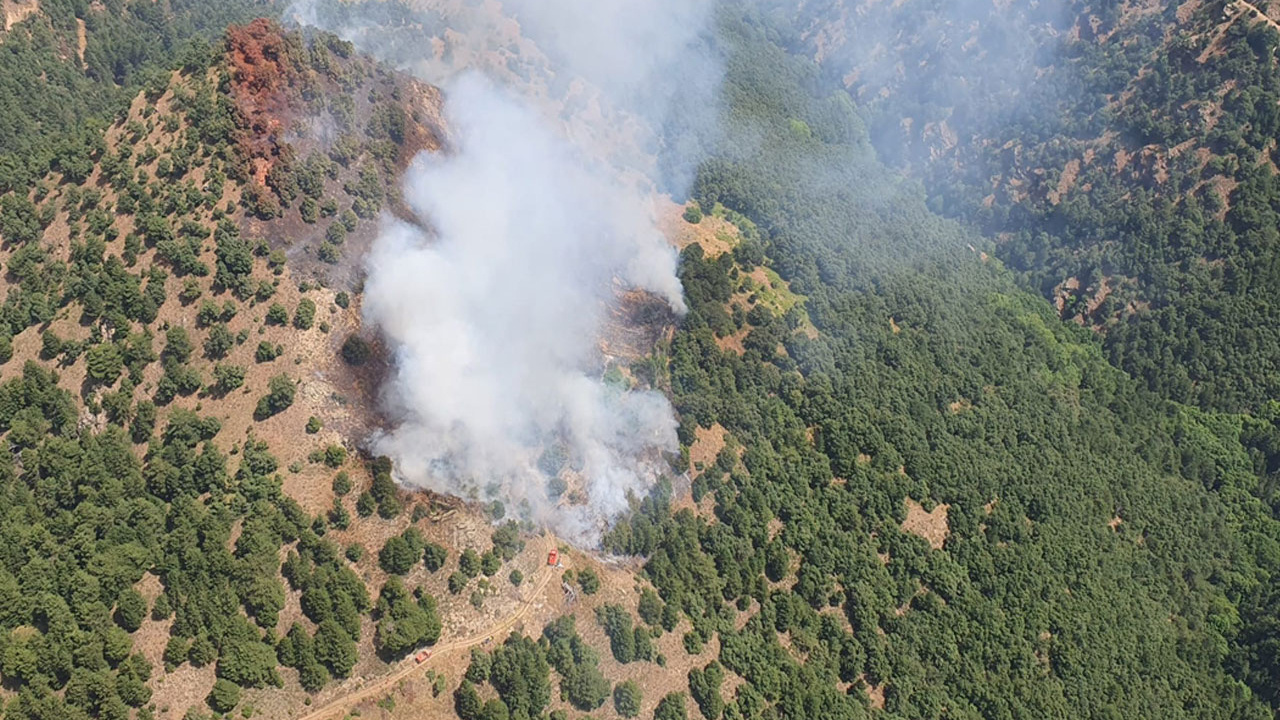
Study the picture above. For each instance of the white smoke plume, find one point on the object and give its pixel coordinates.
(495, 314)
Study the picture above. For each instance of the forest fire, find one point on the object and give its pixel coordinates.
(263, 78)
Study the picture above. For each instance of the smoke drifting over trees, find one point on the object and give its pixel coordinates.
(495, 314)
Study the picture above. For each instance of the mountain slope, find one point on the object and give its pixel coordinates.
(1120, 156)
(187, 519)
(906, 487)
(1089, 522)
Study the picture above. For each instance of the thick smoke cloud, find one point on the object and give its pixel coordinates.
(495, 314)
(495, 318)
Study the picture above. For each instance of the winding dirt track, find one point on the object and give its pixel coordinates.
(340, 705)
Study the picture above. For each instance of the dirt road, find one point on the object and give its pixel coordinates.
(341, 705)
(1258, 14)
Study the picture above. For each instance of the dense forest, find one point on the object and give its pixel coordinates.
(1119, 157)
(1085, 512)
(881, 343)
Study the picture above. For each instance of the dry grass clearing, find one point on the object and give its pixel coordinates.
(707, 444)
(715, 234)
(875, 693)
(932, 526)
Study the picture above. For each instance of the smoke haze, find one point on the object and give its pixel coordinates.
(495, 314)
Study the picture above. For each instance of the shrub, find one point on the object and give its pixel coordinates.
(329, 253)
(227, 378)
(396, 556)
(671, 707)
(219, 342)
(434, 556)
(338, 515)
(210, 312)
(190, 292)
(356, 350)
(175, 651)
(457, 581)
(626, 699)
(404, 624)
(335, 456)
(131, 609)
(177, 345)
(280, 396)
(335, 648)
(469, 563)
(342, 484)
(589, 581)
(224, 696)
(248, 663)
(277, 315)
(305, 317)
(104, 363)
(267, 352)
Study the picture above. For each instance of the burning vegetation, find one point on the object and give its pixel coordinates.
(263, 85)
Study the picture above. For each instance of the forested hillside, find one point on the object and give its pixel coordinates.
(910, 484)
(1105, 556)
(181, 530)
(70, 65)
(916, 492)
(1119, 155)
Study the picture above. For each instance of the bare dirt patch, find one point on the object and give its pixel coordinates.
(151, 637)
(1065, 182)
(82, 41)
(184, 688)
(932, 526)
(15, 11)
(1187, 10)
(1223, 186)
(875, 693)
(706, 448)
(716, 235)
(734, 343)
(774, 527)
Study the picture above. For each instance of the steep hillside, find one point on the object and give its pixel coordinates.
(1119, 155)
(905, 486)
(912, 489)
(69, 67)
(185, 394)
